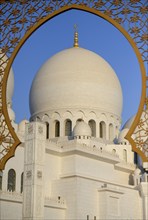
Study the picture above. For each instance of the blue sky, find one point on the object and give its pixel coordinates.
(95, 34)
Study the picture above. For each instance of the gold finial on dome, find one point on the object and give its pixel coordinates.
(76, 44)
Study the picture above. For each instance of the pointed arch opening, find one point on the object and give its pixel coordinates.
(68, 127)
(113, 151)
(92, 125)
(22, 179)
(111, 132)
(47, 130)
(11, 180)
(125, 155)
(102, 126)
(1, 179)
(57, 128)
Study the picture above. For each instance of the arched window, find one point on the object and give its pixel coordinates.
(68, 127)
(38, 118)
(125, 155)
(57, 128)
(114, 151)
(111, 132)
(92, 125)
(47, 130)
(22, 178)
(0, 180)
(102, 129)
(79, 120)
(135, 158)
(11, 180)
(117, 131)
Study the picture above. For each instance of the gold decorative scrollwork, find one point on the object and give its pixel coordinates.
(20, 18)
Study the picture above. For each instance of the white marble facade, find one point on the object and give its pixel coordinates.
(74, 162)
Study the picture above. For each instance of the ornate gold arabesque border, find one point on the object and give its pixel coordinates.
(20, 18)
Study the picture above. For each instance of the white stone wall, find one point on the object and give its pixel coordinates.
(88, 197)
(93, 168)
(16, 163)
(10, 210)
(119, 148)
(52, 171)
(78, 181)
(53, 213)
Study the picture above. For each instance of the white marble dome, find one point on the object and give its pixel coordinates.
(22, 125)
(82, 129)
(137, 171)
(129, 122)
(10, 87)
(76, 78)
(121, 138)
(11, 114)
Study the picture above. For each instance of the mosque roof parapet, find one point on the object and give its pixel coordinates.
(75, 147)
(125, 166)
(11, 196)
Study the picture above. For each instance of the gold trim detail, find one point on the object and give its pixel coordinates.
(20, 18)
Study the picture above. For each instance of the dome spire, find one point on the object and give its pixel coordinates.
(76, 44)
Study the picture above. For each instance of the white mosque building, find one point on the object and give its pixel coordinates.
(73, 162)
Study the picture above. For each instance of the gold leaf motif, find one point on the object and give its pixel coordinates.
(141, 123)
(99, 4)
(48, 9)
(108, 12)
(119, 20)
(83, 4)
(134, 1)
(126, 11)
(14, 29)
(135, 18)
(135, 30)
(23, 2)
(2, 138)
(6, 22)
(144, 9)
(144, 37)
(117, 2)
(14, 40)
(5, 49)
(22, 21)
(15, 12)
(31, 10)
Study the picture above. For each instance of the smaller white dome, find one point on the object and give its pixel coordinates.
(129, 122)
(82, 129)
(137, 171)
(121, 138)
(22, 125)
(11, 114)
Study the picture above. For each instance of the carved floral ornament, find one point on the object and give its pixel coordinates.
(20, 18)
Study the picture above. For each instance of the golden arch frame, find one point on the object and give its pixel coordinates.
(48, 9)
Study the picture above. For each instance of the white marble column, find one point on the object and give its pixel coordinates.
(144, 194)
(33, 195)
